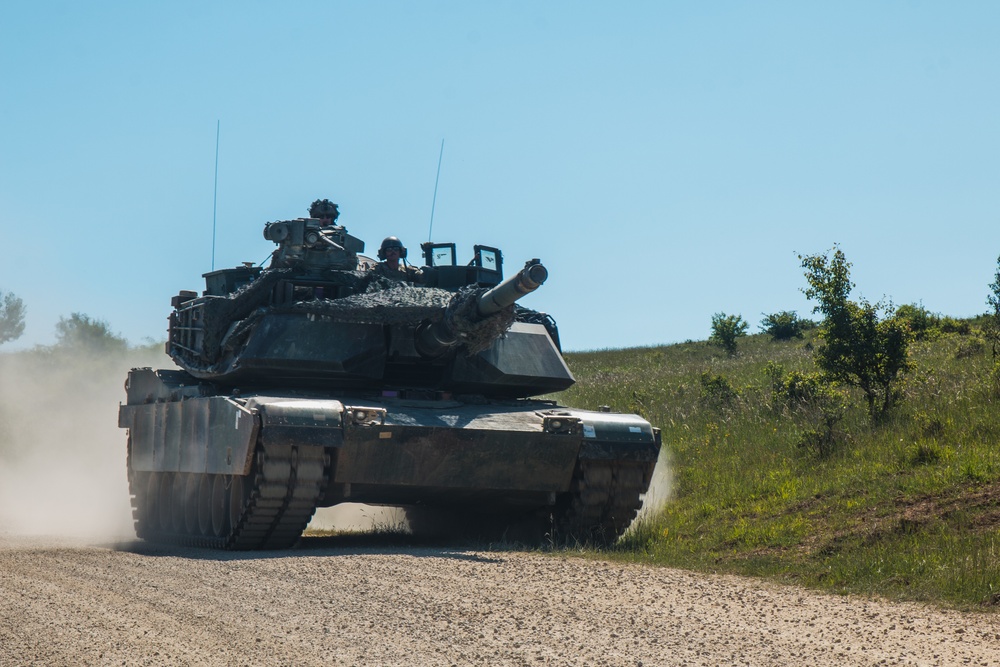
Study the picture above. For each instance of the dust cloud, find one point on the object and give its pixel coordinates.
(62, 455)
(660, 489)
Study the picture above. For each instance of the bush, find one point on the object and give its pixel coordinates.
(798, 387)
(726, 330)
(922, 323)
(785, 325)
(971, 347)
(954, 325)
(717, 392)
(812, 404)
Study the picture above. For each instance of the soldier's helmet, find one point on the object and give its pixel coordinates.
(324, 208)
(391, 242)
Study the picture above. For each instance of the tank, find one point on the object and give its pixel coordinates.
(318, 380)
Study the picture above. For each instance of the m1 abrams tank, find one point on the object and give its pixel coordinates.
(316, 381)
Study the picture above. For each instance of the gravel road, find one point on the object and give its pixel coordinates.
(330, 602)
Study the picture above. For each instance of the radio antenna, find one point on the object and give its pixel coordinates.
(215, 194)
(430, 231)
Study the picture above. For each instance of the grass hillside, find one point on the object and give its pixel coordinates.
(772, 479)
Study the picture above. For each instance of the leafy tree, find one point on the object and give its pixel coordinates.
(11, 317)
(80, 332)
(863, 344)
(726, 329)
(785, 325)
(992, 328)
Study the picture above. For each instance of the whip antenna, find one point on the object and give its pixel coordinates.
(437, 178)
(215, 194)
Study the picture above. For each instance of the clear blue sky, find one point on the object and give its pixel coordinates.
(666, 160)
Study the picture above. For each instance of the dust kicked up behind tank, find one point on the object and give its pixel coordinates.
(319, 380)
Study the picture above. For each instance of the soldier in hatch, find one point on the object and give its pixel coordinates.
(393, 264)
(325, 210)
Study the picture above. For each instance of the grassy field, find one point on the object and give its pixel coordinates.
(769, 482)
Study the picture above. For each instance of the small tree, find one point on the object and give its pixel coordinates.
(860, 348)
(785, 325)
(81, 332)
(11, 317)
(726, 329)
(992, 328)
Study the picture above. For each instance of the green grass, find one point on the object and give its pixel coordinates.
(906, 509)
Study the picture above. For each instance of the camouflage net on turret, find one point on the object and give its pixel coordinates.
(227, 321)
(221, 312)
(413, 305)
(400, 304)
(476, 332)
(242, 307)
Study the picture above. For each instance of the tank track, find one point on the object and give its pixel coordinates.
(604, 498)
(268, 509)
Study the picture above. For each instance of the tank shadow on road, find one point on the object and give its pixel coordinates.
(328, 546)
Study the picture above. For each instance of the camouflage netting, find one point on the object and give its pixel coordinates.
(399, 304)
(476, 333)
(229, 321)
(221, 312)
(413, 305)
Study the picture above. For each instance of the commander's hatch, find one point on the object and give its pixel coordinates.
(442, 270)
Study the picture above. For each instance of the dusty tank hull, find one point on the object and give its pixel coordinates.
(247, 470)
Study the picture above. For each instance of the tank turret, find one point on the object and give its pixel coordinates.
(319, 316)
(318, 380)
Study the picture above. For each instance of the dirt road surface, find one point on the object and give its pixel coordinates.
(328, 602)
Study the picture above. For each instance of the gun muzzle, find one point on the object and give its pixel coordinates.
(524, 282)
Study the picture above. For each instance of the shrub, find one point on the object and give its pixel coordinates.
(922, 323)
(954, 325)
(971, 347)
(930, 426)
(785, 325)
(726, 330)
(927, 453)
(812, 403)
(717, 391)
(798, 387)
